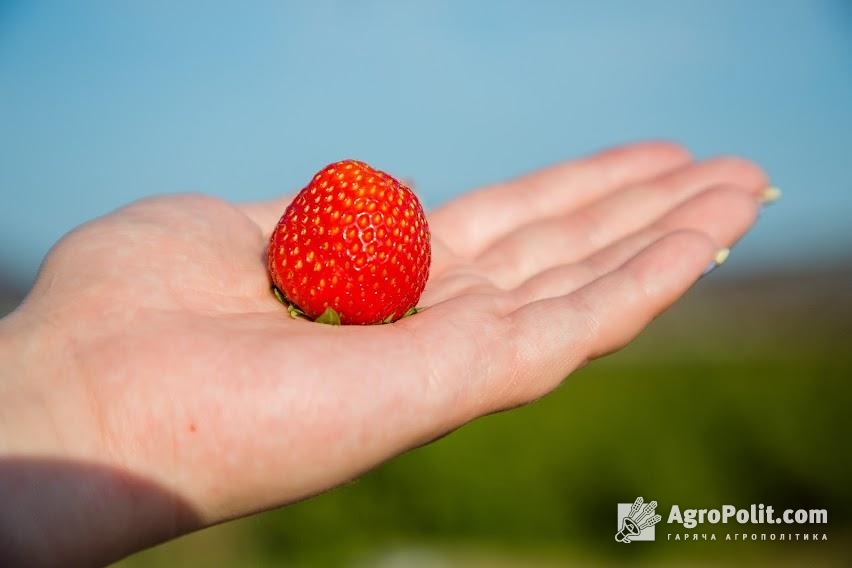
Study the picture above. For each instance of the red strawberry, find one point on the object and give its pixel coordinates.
(354, 240)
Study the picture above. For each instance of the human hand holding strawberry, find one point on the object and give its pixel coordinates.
(165, 362)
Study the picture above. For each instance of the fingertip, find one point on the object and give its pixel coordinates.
(724, 212)
(741, 204)
(670, 265)
(741, 171)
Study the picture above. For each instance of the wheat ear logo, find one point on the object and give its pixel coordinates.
(634, 520)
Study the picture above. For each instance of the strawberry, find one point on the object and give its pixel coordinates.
(353, 245)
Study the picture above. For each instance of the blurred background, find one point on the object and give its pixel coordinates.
(739, 395)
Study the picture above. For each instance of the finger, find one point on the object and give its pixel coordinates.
(472, 221)
(724, 214)
(266, 214)
(625, 301)
(549, 243)
(552, 337)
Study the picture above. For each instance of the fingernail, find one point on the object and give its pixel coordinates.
(719, 259)
(770, 195)
(767, 197)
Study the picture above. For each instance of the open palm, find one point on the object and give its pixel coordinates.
(190, 374)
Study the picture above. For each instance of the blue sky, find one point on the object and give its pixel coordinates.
(105, 102)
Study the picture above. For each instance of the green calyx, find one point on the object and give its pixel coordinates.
(409, 312)
(329, 316)
(292, 308)
(279, 295)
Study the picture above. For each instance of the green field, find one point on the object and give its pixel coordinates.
(739, 395)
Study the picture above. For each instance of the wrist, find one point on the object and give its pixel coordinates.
(65, 500)
(35, 367)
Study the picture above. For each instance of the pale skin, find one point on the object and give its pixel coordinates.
(151, 349)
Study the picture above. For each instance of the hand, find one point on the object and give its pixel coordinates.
(155, 355)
